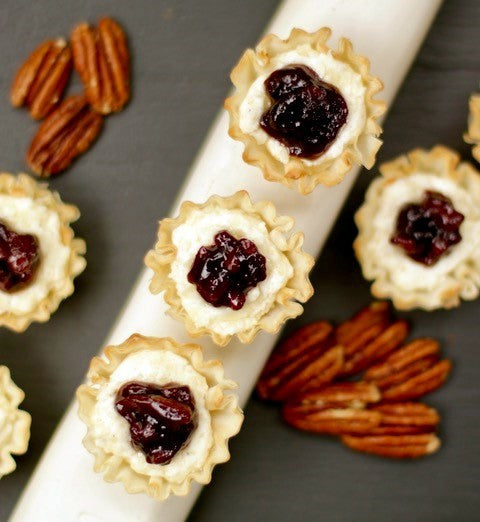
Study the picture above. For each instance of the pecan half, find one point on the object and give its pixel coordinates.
(394, 446)
(335, 410)
(67, 132)
(319, 372)
(355, 394)
(102, 59)
(405, 418)
(405, 431)
(41, 80)
(372, 344)
(335, 421)
(303, 361)
(411, 371)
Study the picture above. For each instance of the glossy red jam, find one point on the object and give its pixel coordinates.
(19, 258)
(306, 113)
(427, 230)
(225, 271)
(161, 418)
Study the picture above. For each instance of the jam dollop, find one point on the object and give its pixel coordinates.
(19, 258)
(225, 271)
(306, 114)
(161, 418)
(427, 230)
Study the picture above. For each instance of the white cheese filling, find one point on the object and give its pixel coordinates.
(27, 216)
(111, 431)
(330, 70)
(199, 230)
(404, 272)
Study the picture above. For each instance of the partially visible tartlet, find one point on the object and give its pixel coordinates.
(230, 267)
(14, 423)
(158, 415)
(305, 113)
(39, 255)
(472, 136)
(419, 231)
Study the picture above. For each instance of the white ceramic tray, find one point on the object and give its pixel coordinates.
(64, 486)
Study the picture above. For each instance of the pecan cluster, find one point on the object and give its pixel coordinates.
(376, 412)
(101, 57)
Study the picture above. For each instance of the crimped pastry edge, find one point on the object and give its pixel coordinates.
(19, 434)
(472, 136)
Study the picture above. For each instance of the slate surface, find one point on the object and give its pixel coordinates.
(183, 52)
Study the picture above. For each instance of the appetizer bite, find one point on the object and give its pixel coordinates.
(158, 415)
(305, 112)
(39, 253)
(229, 267)
(419, 231)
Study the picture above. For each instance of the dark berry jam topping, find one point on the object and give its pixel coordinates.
(19, 257)
(225, 271)
(306, 114)
(428, 230)
(161, 418)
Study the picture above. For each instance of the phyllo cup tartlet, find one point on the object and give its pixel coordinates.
(419, 230)
(230, 267)
(158, 415)
(39, 253)
(306, 113)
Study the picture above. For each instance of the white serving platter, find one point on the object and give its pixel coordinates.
(64, 486)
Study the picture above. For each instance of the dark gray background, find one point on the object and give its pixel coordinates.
(182, 53)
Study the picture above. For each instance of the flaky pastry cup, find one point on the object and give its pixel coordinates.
(472, 136)
(226, 416)
(287, 301)
(14, 423)
(464, 280)
(23, 185)
(296, 173)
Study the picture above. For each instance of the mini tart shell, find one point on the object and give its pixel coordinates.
(223, 407)
(25, 186)
(15, 434)
(472, 136)
(296, 173)
(463, 282)
(285, 306)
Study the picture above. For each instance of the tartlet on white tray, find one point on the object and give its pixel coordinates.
(348, 73)
(157, 362)
(268, 304)
(442, 264)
